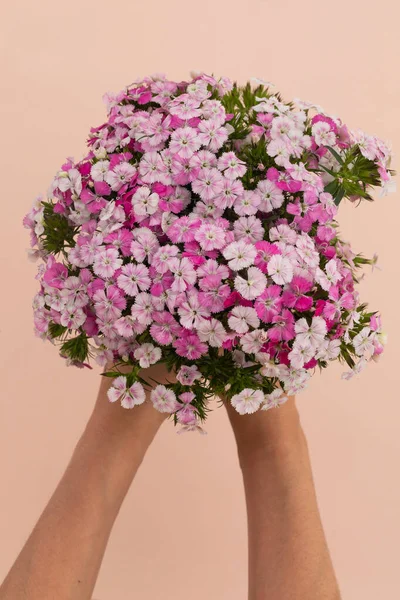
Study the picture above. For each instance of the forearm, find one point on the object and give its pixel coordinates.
(288, 553)
(63, 554)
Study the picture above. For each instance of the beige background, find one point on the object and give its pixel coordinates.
(181, 533)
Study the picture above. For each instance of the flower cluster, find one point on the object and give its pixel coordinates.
(199, 230)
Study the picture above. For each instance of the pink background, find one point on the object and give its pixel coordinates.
(181, 533)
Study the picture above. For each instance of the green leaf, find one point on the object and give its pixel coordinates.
(56, 330)
(339, 195)
(336, 155)
(76, 348)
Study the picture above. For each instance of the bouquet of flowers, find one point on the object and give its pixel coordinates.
(200, 230)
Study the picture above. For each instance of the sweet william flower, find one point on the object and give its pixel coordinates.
(280, 269)
(242, 318)
(164, 399)
(239, 255)
(188, 375)
(147, 355)
(173, 240)
(129, 397)
(248, 401)
(253, 285)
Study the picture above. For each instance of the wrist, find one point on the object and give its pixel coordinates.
(271, 435)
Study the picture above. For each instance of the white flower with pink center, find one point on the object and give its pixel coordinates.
(185, 141)
(120, 175)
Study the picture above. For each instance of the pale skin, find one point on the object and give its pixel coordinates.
(288, 553)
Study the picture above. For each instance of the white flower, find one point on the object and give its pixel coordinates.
(328, 350)
(248, 401)
(99, 170)
(147, 355)
(358, 367)
(239, 255)
(164, 399)
(280, 269)
(312, 334)
(212, 332)
(274, 399)
(330, 277)
(323, 134)
(302, 352)
(363, 343)
(252, 341)
(144, 202)
(269, 367)
(253, 286)
(242, 318)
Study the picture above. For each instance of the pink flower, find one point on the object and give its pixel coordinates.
(121, 240)
(163, 257)
(183, 229)
(134, 278)
(164, 399)
(269, 303)
(208, 184)
(106, 262)
(72, 318)
(265, 251)
(231, 190)
(210, 236)
(183, 272)
(302, 352)
(185, 141)
(190, 346)
(56, 275)
(144, 245)
(188, 375)
(313, 333)
(212, 134)
(109, 302)
(249, 229)
(164, 328)
(186, 415)
(152, 168)
(144, 202)
(232, 166)
(213, 332)
(192, 313)
(129, 397)
(283, 327)
(323, 134)
(294, 296)
(143, 308)
(121, 174)
(247, 203)
(270, 196)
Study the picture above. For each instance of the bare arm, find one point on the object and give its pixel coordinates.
(288, 553)
(62, 557)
